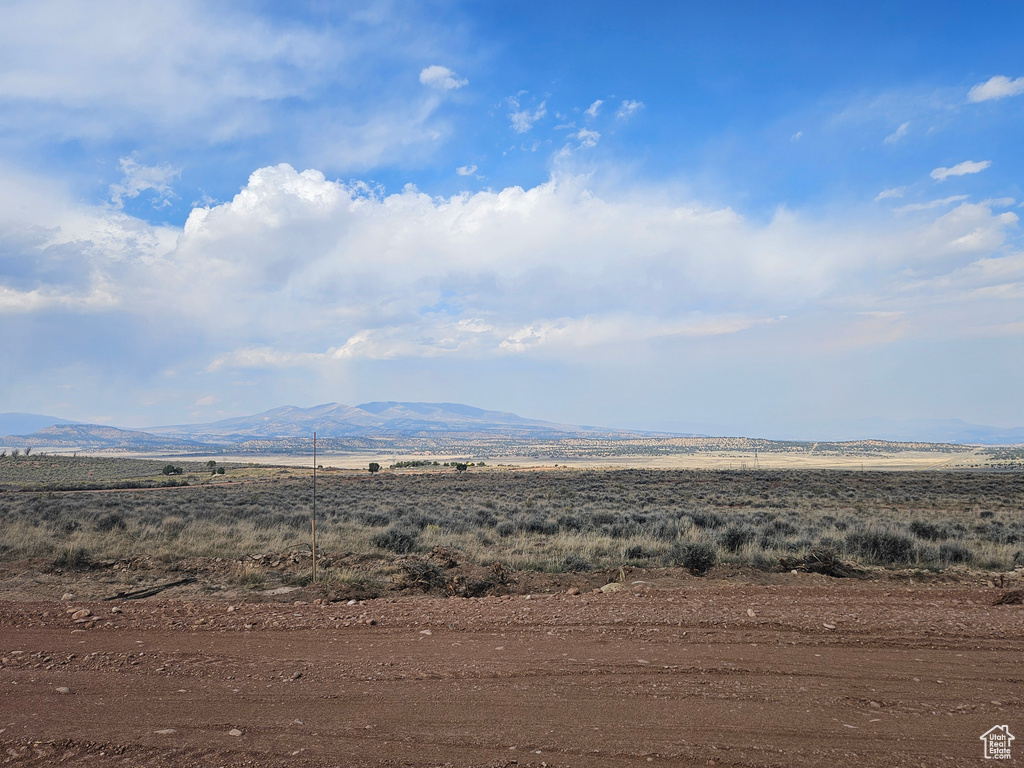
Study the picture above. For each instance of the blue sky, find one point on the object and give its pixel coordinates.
(767, 219)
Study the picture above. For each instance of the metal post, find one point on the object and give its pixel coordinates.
(314, 508)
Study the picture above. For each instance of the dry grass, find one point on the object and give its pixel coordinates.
(550, 520)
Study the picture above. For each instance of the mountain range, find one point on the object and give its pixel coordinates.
(290, 423)
(361, 425)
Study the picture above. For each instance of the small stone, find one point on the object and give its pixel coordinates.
(613, 587)
(82, 613)
(995, 703)
(296, 675)
(426, 632)
(829, 626)
(62, 689)
(231, 609)
(875, 704)
(751, 614)
(116, 609)
(67, 596)
(165, 731)
(235, 732)
(352, 602)
(572, 591)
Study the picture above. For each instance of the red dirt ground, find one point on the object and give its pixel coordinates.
(816, 673)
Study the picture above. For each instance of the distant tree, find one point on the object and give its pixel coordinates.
(219, 470)
(170, 469)
(461, 467)
(15, 453)
(374, 467)
(28, 450)
(3, 454)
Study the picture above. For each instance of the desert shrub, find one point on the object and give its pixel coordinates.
(663, 528)
(568, 522)
(763, 561)
(575, 562)
(398, 540)
(638, 552)
(485, 518)
(623, 529)
(735, 537)
(536, 524)
(65, 527)
(505, 528)
(707, 519)
(781, 527)
(955, 552)
(73, 557)
(110, 522)
(373, 519)
(881, 546)
(928, 531)
(986, 514)
(696, 557)
(927, 554)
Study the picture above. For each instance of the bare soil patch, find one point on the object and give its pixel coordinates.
(803, 670)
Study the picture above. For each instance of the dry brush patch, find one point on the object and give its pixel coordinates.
(553, 521)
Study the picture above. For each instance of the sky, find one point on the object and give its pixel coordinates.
(768, 219)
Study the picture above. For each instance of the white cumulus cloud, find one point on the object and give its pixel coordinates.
(593, 109)
(960, 169)
(998, 87)
(466, 170)
(441, 78)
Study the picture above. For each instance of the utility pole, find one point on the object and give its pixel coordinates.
(314, 508)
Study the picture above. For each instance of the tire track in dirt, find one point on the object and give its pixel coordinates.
(636, 678)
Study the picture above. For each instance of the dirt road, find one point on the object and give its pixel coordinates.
(828, 673)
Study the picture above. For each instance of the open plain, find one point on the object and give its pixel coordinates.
(495, 617)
